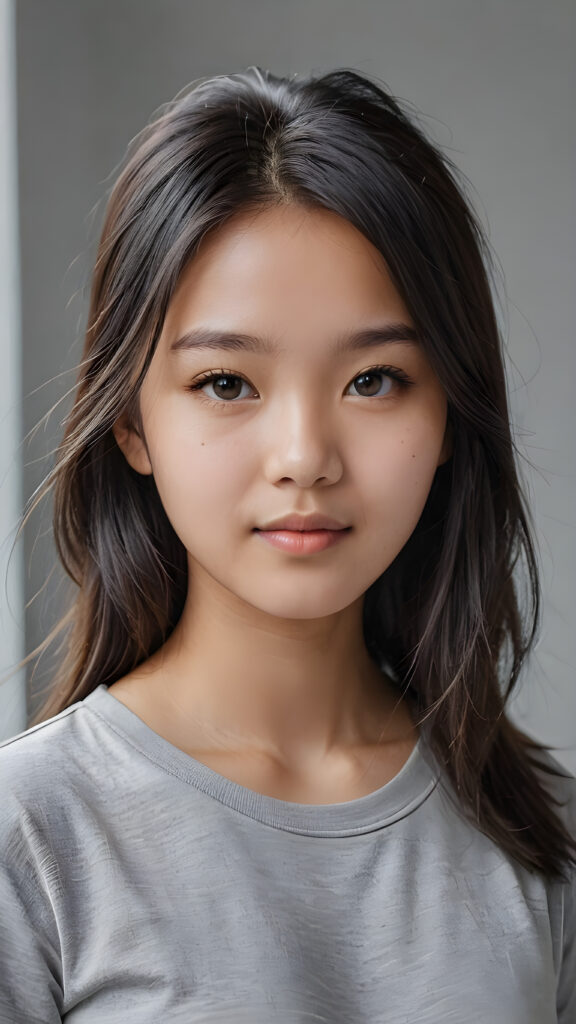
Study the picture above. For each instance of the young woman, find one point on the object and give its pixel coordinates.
(275, 779)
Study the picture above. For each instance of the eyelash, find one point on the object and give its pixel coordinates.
(398, 376)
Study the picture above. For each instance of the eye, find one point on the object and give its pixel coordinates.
(227, 385)
(372, 380)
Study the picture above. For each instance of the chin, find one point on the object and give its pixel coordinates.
(304, 606)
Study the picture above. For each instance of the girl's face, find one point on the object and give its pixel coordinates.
(310, 410)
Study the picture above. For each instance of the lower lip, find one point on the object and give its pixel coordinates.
(306, 542)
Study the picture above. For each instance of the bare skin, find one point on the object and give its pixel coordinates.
(341, 774)
(266, 677)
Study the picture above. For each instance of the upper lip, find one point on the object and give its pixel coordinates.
(294, 521)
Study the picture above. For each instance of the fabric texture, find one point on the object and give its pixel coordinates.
(137, 885)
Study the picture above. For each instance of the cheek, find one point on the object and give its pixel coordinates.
(197, 478)
(397, 474)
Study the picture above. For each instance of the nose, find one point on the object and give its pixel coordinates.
(302, 445)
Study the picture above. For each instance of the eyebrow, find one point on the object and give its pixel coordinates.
(206, 338)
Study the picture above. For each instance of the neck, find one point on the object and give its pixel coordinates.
(296, 690)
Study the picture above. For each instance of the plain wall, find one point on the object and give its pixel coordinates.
(12, 690)
(494, 82)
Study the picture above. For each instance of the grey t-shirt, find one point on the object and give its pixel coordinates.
(139, 886)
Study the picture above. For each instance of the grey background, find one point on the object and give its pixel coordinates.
(12, 691)
(494, 84)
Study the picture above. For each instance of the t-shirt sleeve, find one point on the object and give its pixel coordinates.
(566, 991)
(563, 788)
(30, 958)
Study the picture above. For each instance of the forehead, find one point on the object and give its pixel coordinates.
(282, 268)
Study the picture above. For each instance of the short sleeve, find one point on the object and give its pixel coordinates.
(566, 991)
(30, 961)
(563, 788)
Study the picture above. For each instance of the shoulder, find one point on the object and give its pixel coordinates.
(24, 757)
(561, 786)
(559, 783)
(39, 770)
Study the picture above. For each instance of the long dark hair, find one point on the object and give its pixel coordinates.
(446, 618)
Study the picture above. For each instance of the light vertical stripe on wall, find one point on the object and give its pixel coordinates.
(12, 687)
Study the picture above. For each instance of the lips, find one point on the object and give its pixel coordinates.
(304, 523)
(303, 542)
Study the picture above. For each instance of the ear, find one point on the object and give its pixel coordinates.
(132, 445)
(447, 444)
